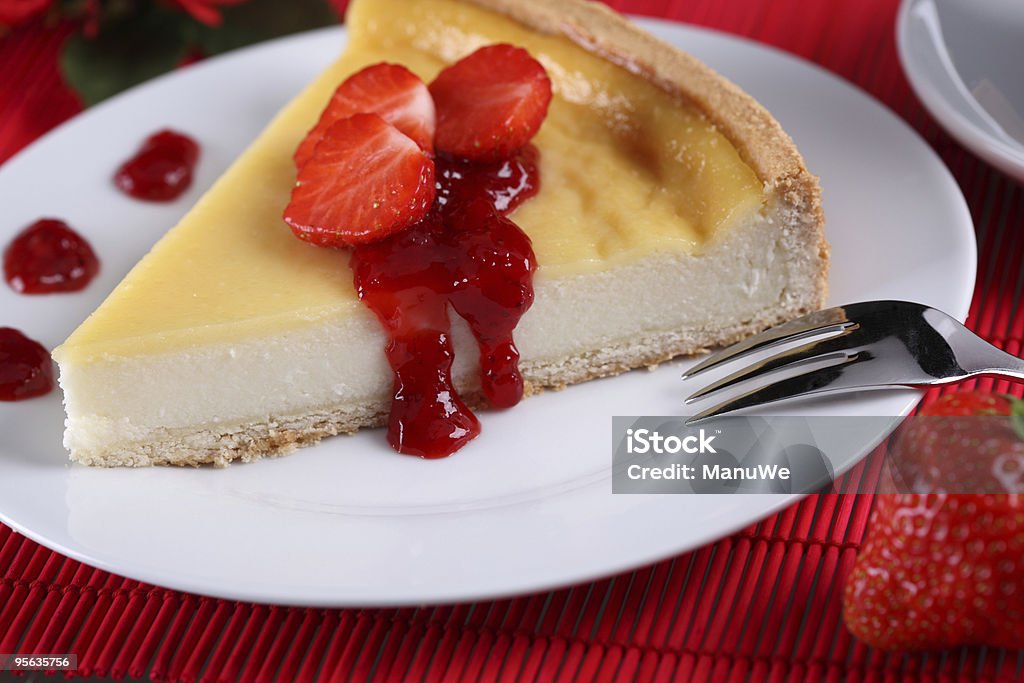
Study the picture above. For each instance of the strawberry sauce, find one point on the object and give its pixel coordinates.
(25, 367)
(162, 168)
(467, 255)
(47, 257)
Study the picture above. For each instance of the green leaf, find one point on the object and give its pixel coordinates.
(256, 20)
(131, 48)
(1017, 416)
(138, 41)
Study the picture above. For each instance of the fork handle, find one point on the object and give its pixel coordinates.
(1003, 365)
(1002, 373)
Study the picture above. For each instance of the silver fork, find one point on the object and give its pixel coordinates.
(869, 345)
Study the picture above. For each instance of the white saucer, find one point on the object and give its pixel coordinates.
(965, 60)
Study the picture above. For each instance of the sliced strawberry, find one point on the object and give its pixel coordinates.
(364, 181)
(491, 103)
(392, 92)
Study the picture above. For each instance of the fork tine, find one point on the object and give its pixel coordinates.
(790, 359)
(816, 380)
(827, 323)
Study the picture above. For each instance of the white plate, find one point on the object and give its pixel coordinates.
(527, 506)
(963, 59)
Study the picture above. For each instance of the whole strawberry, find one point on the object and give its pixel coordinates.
(941, 569)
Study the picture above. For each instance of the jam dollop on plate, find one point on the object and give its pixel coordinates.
(162, 168)
(48, 257)
(26, 370)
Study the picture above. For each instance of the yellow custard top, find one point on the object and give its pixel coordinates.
(626, 170)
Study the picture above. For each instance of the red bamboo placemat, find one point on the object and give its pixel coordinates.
(760, 605)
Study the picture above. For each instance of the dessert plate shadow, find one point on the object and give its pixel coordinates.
(526, 507)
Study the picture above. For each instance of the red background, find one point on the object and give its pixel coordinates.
(762, 604)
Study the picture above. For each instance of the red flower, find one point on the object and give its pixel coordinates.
(91, 18)
(14, 12)
(205, 11)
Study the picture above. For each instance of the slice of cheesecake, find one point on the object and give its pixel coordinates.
(674, 214)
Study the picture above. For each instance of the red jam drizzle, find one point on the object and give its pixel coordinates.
(25, 367)
(466, 254)
(47, 257)
(162, 168)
